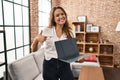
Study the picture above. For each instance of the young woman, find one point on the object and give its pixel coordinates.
(58, 29)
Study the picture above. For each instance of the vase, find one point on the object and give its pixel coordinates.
(91, 49)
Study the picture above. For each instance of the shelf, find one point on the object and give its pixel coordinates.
(92, 37)
(80, 43)
(106, 54)
(106, 49)
(106, 65)
(91, 48)
(93, 33)
(89, 42)
(105, 44)
(80, 37)
(106, 60)
(82, 32)
(78, 26)
(80, 48)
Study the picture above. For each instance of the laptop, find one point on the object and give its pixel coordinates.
(67, 50)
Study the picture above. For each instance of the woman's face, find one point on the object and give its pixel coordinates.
(59, 17)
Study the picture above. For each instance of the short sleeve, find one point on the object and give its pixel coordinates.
(47, 32)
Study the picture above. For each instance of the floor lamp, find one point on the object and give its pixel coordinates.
(118, 27)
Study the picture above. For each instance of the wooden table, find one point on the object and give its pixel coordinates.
(91, 73)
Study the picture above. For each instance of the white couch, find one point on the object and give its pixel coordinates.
(76, 67)
(28, 67)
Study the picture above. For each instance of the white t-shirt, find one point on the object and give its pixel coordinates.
(50, 50)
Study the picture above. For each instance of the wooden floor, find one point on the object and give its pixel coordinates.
(111, 73)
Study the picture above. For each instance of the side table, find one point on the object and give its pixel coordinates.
(91, 73)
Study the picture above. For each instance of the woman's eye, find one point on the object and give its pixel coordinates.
(57, 15)
(62, 14)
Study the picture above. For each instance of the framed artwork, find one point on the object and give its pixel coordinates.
(88, 27)
(81, 18)
(94, 29)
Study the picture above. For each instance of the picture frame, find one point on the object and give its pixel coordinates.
(95, 29)
(81, 18)
(88, 27)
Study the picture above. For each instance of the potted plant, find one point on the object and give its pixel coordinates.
(107, 41)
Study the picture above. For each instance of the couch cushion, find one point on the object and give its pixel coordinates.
(24, 69)
(39, 57)
(39, 77)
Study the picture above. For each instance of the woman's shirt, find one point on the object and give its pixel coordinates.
(50, 50)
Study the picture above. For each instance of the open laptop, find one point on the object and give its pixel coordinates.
(67, 50)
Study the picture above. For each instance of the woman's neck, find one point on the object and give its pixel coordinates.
(59, 31)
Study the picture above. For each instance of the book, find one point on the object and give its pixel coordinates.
(67, 50)
(91, 58)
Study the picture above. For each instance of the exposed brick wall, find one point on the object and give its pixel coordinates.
(33, 18)
(55, 2)
(102, 13)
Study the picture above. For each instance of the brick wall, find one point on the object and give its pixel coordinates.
(33, 18)
(56, 2)
(102, 13)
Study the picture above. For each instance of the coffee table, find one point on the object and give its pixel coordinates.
(91, 73)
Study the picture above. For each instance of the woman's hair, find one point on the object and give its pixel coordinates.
(66, 29)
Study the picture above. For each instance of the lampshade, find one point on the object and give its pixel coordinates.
(118, 27)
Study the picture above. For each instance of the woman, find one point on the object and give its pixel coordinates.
(54, 69)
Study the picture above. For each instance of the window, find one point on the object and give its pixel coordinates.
(44, 10)
(14, 19)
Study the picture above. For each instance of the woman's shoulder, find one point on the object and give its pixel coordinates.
(72, 33)
(47, 31)
(47, 28)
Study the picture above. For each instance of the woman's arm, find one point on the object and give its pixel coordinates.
(38, 39)
(34, 45)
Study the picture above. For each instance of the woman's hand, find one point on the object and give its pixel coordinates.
(39, 38)
(81, 59)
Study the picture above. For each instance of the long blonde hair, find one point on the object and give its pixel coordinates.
(66, 29)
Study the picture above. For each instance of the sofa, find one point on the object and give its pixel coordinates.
(28, 67)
